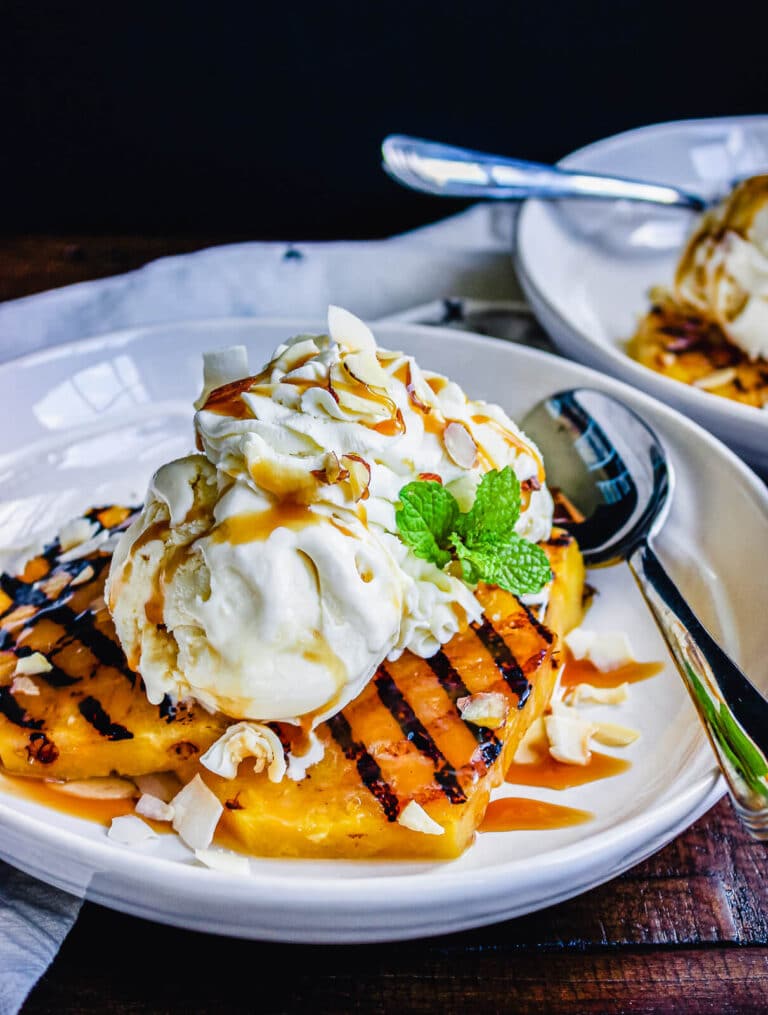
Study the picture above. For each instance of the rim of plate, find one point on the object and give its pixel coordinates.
(724, 408)
(661, 821)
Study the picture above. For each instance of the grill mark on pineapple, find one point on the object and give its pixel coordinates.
(81, 627)
(367, 766)
(505, 661)
(455, 688)
(416, 733)
(14, 713)
(541, 629)
(92, 710)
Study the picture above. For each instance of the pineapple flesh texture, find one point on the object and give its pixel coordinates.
(402, 739)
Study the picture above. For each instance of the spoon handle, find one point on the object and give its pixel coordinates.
(460, 172)
(732, 710)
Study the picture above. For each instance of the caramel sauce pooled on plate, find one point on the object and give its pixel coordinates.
(582, 671)
(552, 774)
(518, 814)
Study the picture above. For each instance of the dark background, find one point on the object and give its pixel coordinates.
(265, 119)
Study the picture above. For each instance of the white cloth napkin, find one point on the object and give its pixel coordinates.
(407, 276)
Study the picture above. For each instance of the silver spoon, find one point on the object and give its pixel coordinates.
(612, 467)
(460, 172)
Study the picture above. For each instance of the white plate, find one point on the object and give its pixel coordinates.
(90, 421)
(586, 267)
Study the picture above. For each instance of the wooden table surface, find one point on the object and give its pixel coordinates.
(687, 930)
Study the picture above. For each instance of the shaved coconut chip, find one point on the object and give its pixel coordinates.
(76, 532)
(613, 735)
(221, 367)
(108, 787)
(533, 744)
(28, 666)
(223, 860)
(196, 814)
(246, 740)
(83, 576)
(600, 695)
(23, 685)
(129, 830)
(607, 651)
(155, 808)
(569, 738)
(460, 446)
(716, 379)
(99, 541)
(347, 330)
(299, 763)
(163, 785)
(414, 816)
(488, 708)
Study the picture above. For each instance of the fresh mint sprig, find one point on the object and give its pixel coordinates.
(483, 540)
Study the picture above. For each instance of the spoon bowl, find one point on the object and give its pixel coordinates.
(614, 471)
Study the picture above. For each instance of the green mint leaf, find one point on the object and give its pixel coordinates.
(496, 509)
(426, 517)
(518, 566)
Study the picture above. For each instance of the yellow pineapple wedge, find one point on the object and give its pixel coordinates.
(402, 741)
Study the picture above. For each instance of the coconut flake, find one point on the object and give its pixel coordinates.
(607, 651)
(196, 813)
(347, 330)
(108, 787)
(154, 808)
(76, 532)
(460, 445)
(716, 379)
(600, 695)
(299, 763)
(488, 708)
(414, 816)
(28, 666)
(129, 830)
(96, 543)
(223, 860)
(83, 576)
(569, 737)
(246, 740)
(23, 685)
(221, 367)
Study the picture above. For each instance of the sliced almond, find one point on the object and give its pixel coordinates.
(613, 735)
(716, 379)
(359, 475)
(108, 787)
(366, 369)
(569, 738)
(460, 445)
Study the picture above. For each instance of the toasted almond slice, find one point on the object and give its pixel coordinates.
(460, 445)
(359, 475)
(108, 787)
(363, 366)
(414, 816)
(716, 379)
(613, 735)
(487, 708)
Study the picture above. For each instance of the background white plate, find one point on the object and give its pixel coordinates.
(90, 423)
(586, 266)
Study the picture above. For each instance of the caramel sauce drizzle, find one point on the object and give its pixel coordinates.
(548, 773)
(248, 527)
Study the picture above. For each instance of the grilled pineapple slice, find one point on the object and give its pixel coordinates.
(677, 342)
(402, 741)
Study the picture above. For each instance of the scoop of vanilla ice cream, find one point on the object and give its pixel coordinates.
(265, 577)
(723, 272)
